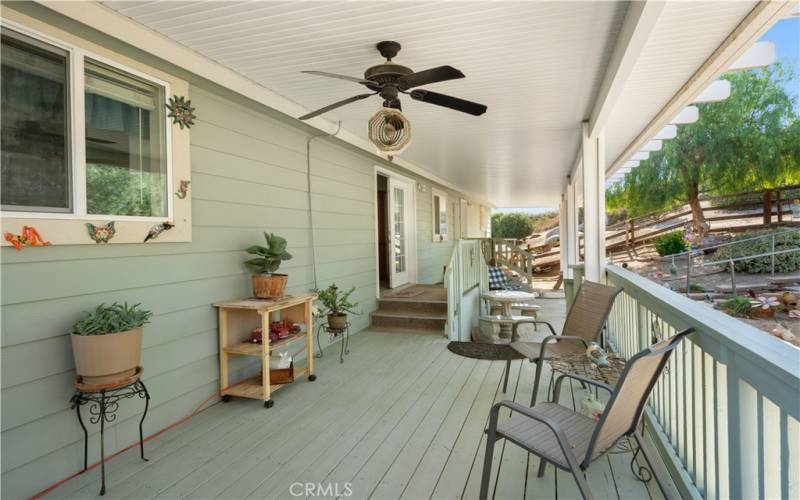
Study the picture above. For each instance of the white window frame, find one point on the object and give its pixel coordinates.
(437, 237)
(77, 133)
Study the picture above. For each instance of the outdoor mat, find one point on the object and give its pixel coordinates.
(475, 350)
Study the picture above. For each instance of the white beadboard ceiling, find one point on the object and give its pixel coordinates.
(536, 65)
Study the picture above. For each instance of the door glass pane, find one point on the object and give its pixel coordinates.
(34, 138)
(126, 167)
(398, 232)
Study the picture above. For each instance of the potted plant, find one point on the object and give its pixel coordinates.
(764, 306)
(336, 305)
(266, 283)
(107, 342)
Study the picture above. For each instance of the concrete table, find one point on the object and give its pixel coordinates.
(506, 299)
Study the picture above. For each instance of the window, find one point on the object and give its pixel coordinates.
(35, 126)
(126, 170)
(439, 216)
(103, 158)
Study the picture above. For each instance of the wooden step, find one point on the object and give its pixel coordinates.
(743, 288)
(411, 305)
(785, 280)
(406, 320)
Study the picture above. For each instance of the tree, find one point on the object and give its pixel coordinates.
(749, 141)
(511, 225)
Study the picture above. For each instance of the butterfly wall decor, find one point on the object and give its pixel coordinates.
(101, 234)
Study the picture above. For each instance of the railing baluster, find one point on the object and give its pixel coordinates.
(725, 441)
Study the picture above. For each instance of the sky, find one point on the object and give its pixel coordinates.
(786, 37)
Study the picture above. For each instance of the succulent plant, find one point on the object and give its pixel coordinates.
(269, 257)
(115, 318)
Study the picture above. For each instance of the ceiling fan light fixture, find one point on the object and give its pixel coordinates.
(389, 131)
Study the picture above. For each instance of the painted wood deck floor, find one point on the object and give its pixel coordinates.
(401, 418)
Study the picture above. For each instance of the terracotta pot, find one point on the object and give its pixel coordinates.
(337, 321)
(269, 286)
(101, 359)
(760, 313)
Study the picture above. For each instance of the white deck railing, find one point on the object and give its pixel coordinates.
(465, 271)
(726, 412)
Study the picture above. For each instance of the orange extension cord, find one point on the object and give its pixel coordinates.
(148, 438)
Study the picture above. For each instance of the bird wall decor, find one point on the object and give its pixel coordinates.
(157, 230)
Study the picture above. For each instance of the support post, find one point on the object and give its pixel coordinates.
(562, 233)
(572, 228)
(594, 201)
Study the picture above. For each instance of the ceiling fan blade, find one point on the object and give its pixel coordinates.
(447, 101)
(335, 105)
(433, 75)
(340, 77)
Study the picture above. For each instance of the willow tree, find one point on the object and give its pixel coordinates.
(749, 141)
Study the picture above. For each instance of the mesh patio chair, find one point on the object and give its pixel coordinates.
(584, 323)
(572, 441)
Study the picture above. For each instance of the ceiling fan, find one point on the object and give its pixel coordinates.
(390, 80)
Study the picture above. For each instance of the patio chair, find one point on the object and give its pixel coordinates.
(584, 323)
(572, 441)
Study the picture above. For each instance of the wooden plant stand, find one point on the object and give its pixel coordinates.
(237, 318)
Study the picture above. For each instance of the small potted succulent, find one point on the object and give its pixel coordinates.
(336, 305)
(107, 342)
(267, 284)
(763, 306)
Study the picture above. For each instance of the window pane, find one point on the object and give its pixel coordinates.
(34, 139)
(126, 167)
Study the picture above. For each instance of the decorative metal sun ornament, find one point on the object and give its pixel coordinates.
(181, 111)
(390, 131)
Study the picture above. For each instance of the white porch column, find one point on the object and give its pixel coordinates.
(571, 239)
(562, 232)
(594, 203)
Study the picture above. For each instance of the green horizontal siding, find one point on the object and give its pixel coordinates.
(248, 176)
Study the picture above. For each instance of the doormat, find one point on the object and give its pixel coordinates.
(475, 350)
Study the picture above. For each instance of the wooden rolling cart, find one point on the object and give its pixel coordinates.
(237, 318)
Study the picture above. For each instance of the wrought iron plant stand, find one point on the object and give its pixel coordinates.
(103, 403)
(335, 332)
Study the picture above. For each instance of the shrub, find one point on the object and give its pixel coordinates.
(784, 263)
(670, 243)
(513, 225)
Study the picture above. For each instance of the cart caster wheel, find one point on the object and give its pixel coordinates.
(269, 403)
(226, 398)
(312, 378)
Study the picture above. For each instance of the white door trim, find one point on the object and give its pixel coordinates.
(412, 225)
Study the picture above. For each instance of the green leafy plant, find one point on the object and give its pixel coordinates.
(737, 306)
(670, 243)
(511, 225)
(112, 319)
(336, 302)
(269, 257)
(784, 263)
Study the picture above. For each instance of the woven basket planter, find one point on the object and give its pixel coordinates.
(269, 286)
(337, 321)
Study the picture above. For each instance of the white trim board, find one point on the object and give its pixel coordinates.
(113, 24)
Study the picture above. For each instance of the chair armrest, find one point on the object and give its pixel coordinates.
(585, 380)
(558, 338)
(534, 415)
(538, 322)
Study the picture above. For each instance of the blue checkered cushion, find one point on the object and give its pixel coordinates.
(497, 279)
